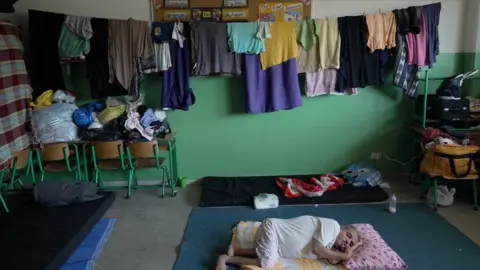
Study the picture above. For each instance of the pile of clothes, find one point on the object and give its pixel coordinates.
(435, 136)
(120, 120)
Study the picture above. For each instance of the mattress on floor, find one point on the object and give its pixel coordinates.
(239, 191)
(39, 237)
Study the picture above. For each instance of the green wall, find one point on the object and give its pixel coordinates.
(217, 138)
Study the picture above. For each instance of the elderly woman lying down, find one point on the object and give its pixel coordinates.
(301, 237)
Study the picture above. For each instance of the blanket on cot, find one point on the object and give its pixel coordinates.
(15, 94)
(244, 238)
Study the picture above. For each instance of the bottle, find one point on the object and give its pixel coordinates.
(393, 204)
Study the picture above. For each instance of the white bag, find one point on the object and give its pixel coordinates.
(444, 196)
(265, 201)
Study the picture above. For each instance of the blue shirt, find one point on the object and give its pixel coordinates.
(162, 31)
(242, 38)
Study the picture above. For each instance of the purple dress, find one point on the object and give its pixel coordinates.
(273, 89)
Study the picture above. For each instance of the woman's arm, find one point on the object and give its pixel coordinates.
(323, 252)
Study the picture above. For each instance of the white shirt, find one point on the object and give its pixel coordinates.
(295, 235)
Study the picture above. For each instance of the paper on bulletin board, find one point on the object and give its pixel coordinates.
(280, 12)
(292, 12)
(235, 3)
(207, 14)
(235, 14)
(271, 12)
(176, 15)
(176, 3)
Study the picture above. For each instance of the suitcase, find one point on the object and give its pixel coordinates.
(450, 109)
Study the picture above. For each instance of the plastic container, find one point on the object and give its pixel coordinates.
(393, 204)
(183, 182)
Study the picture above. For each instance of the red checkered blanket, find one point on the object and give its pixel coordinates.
(15, 95)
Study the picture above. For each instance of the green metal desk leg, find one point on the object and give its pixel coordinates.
(3, 202)
(171, 161)
(435, 193)
(475, 195)
(30, 168)
(175, 162)
(84, 150)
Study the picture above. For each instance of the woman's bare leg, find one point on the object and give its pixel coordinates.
(241, 252)
(223, 260)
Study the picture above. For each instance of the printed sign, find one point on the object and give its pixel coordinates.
(271, 12)
(280, 12)
(176, 15)
(235, 14)
(292, 12)
(176, 3)
(235, 3)
(207, 14)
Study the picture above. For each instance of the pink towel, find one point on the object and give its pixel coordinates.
(323, 83)
(417, 46)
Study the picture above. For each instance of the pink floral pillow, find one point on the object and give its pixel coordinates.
(374, 253)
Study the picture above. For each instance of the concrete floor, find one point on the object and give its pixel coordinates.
(149, 230)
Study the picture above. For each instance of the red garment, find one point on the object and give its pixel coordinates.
(431, 133)
(294, 188)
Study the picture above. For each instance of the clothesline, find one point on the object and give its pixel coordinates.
(337, 54)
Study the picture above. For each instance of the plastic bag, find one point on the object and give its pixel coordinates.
(54, 123)
(444, 196)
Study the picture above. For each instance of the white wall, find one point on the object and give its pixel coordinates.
(459, 21)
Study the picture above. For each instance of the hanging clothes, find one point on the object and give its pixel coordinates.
(71, 45)
(382, 31)
(176, 91)
(417, 45)
(358, 67)
(15, 93)
(162, 34)
(307, 33)
(242, 38)
(97, 63)
(329, 43)
(282, 45)
(44, 32)
(325, 53)
(431, 15)
(405, 76)
(264, 30)
(211, 50)
(308, 60)
(130, 40)
(324, 82)
(79, 25)
(408, 20)
(273, 89)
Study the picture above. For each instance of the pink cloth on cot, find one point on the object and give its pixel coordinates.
(266, 245)
(417, 46)
(323, 82)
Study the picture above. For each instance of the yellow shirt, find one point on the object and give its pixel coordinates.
(282, 46)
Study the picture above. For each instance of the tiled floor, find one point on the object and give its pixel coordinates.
(149, 230)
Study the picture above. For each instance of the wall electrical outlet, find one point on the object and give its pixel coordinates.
(375, 155)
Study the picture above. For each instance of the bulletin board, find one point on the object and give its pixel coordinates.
(215, 10)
